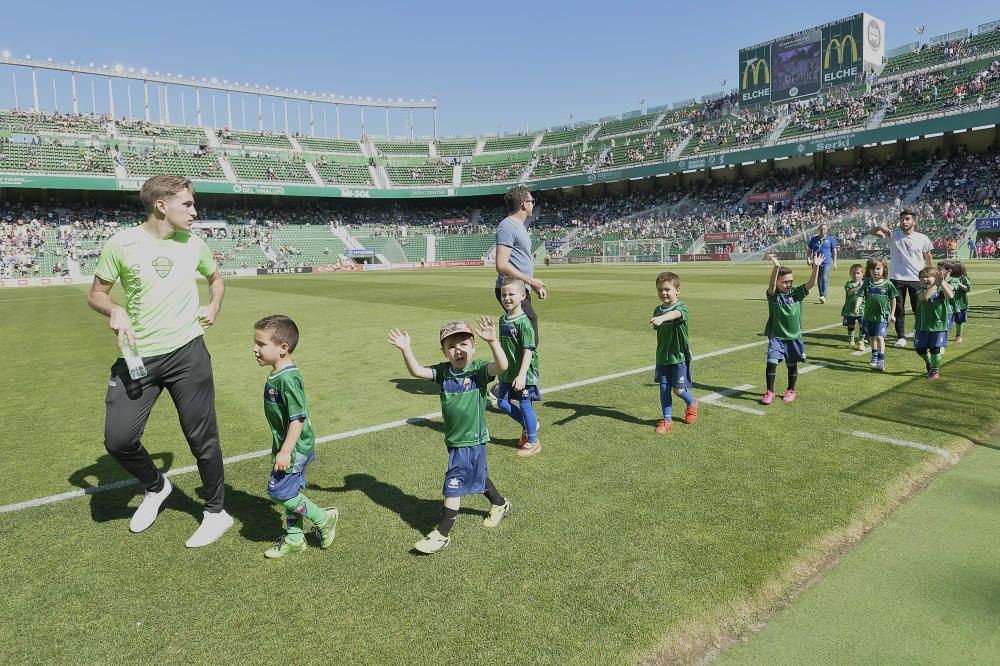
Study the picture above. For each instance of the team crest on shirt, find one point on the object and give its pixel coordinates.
(162, 265)
(467, 383)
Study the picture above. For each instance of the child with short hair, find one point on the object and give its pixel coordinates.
(852, 320)
(673, 351)
(931, 335)
(292, 439)
(960, 285)
(784, 325)
(463, 383)
(878, 301)
(520, 381)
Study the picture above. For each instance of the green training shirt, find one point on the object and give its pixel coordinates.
(284, 402)
(851, 301)
(516, 335)
(962, 297)
(784, 314)
(161, 295)
(672, 343)
(932, 315)
(877, 296)
(463, 402)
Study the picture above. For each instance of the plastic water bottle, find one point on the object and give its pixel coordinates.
(136, 368)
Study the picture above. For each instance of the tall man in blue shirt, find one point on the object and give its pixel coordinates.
(827, 246)
(514, 249)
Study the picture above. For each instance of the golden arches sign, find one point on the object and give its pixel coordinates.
(841, 45)
(755, 68)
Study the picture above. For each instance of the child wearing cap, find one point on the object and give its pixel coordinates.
(463, 382)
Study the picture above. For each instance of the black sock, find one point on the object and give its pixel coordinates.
(448, 517)
(159, 485)
(492, 494)
(793, 374)
(772, 370)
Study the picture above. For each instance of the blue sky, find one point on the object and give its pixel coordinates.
(515, 63)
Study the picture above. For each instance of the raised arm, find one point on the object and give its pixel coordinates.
(663, 318)
(772, 285)
(880, 231)
(486, 330)
(815, 262)
(401, 340)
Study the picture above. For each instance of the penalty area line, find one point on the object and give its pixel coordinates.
(414, 420)
(902, 442)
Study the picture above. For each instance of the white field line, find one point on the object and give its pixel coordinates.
(861, 352)
(810, 368)
(41, 501)
(714, 399)
(902, 442)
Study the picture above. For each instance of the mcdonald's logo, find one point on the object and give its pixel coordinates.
(841, 45)
(754, 66)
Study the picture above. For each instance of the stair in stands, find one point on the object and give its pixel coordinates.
(679, 148)
(295, 143)
(479, 146)
(227, 168)
(456, 175)
(779, 127)
(315, 175)
(538, 140)
(913, 194)
(213, 138)
(659, 119)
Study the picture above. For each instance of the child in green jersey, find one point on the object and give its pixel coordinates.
(960, 285)
(673, 351)
(292, 440)
(520, 381)
(878, 302)
(463, 383)
(784, 324)
(932, 318)
(852, 320)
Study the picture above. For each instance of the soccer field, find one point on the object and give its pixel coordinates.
(623, 544)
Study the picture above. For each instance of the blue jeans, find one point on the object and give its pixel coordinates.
(824, 277)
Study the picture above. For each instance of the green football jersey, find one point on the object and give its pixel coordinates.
(784, 314)
(463, 402)
(516, 335)
(161, 295)
(932, 314)
(877, 295)
(851, 301)
(962, 297)
(672, 343)
(284, 402)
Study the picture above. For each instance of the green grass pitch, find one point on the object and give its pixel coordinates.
(623, 544)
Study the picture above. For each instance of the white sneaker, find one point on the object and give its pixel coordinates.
(213, 526)
(900, 342)
(147, 512)
(822, 299)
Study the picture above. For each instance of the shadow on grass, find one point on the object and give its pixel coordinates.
(420, 514)
(417, 386)
(110, 497)
(962, 403)
(579, 411)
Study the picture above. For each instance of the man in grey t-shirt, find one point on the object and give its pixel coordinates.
(514, 249)
(909, 251)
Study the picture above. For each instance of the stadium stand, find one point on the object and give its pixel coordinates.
(402, 148)
(429, 172)
(194, 136)
(55, 123)
(627, 125)
(52, 156)
(148, 162)
(456, 147)
(336, 172)
(264, 167)
(508, 143)
(260, 139)
(564, 136)
(330, 145)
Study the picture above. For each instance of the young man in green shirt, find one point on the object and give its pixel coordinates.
(463, 383)
(784, 324)
(932, 318)
(156, 263)
(673, 351)
(293, 443)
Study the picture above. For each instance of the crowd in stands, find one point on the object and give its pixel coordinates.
(750, 127)
(857, 109)
(783, 206)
